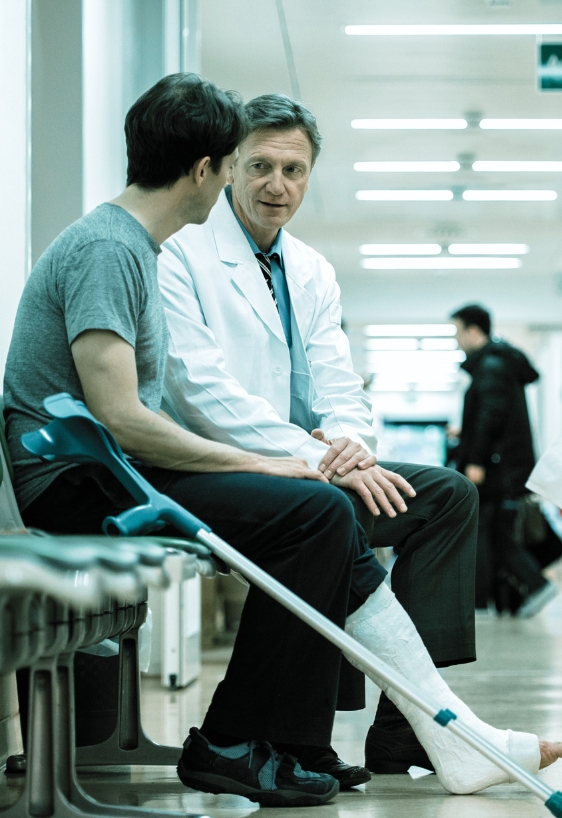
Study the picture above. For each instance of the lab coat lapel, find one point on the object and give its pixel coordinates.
(298, 277)
(234, 250)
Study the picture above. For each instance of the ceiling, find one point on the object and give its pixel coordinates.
(341, 78)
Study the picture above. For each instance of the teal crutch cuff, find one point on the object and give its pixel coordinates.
(554, 804)
(444, 717)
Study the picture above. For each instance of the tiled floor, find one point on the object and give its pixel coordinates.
(517, 682)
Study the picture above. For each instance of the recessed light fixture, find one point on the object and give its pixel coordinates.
(488, 249)
(438, 343)
(518, 166)
(521, 124)
(442, 263)
(407, 167)
(410, 124)
(400, 249)
(455, 29)
(409, 344)
(394, 344)
(509, 195)
(404, 195)
(410, 330)
(416, 360)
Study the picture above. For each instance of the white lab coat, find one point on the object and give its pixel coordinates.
(229, 375)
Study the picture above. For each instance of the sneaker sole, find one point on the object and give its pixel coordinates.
(220, 784)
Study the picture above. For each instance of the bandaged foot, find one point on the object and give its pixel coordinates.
(383, 627)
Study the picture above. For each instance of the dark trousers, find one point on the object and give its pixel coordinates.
(433, 576)
(282, 681)
(502, 555)
(435, 540)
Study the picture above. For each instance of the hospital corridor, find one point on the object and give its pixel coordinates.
(280, 408)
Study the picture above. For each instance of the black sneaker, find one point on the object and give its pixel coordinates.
(254, 770)
(391, 746)
(325, 760)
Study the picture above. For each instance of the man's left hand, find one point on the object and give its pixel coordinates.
(378, 488)
(343, 456)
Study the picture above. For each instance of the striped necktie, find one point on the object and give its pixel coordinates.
(265, 265)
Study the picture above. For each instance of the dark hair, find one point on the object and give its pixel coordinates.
(281, 113)
(176, 122)
(474, 315)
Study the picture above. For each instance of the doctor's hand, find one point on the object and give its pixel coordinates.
(288, 467)
(343, 456)
(378, 488)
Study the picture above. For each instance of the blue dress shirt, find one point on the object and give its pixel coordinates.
(275, 255)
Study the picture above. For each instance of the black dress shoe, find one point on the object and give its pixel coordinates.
(254, 770)
(325, 760)
(391, 746)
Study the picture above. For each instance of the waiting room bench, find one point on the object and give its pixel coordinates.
(62, 594)
(59, 595)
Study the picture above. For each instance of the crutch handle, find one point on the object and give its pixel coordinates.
(137, 520)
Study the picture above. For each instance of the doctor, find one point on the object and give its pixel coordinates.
(258, 360)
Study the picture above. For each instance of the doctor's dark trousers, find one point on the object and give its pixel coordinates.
(282, 680)
(433, 576)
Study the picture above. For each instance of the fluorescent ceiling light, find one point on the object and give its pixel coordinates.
(438, 343)
(518, 166)
(400, 249)
(521, 124)
(407, 167)
(488, 249)
(456, 29)
(410, 124)
(404, 195)
(442, 263)
(416, 360)
(434, 387)
(409, 344)
(393, 344)
(509, 195)
(408, 386)
(411, 330)
(391, 386)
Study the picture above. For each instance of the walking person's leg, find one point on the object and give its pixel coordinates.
(515, 562)
(484, 557)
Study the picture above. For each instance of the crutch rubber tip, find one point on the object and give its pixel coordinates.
(554, 804)
(444, 717)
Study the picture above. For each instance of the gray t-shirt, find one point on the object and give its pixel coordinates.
(100, 273)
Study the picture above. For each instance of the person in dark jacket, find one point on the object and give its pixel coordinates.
(496, 452)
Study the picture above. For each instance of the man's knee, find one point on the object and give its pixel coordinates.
(333, 511)
(462, 489)
(445, 485)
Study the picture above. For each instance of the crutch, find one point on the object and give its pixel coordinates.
(76, 436)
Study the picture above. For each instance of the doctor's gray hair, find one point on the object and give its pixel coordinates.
(281, 113)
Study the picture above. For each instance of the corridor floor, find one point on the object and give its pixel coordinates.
(517, 682)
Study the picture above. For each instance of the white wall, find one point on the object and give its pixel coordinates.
(105, 160)
(14, 174)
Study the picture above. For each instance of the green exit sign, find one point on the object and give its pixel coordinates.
(550, 67)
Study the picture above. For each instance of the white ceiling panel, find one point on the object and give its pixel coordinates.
(342, 78)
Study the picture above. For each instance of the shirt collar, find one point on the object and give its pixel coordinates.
(275, 247)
